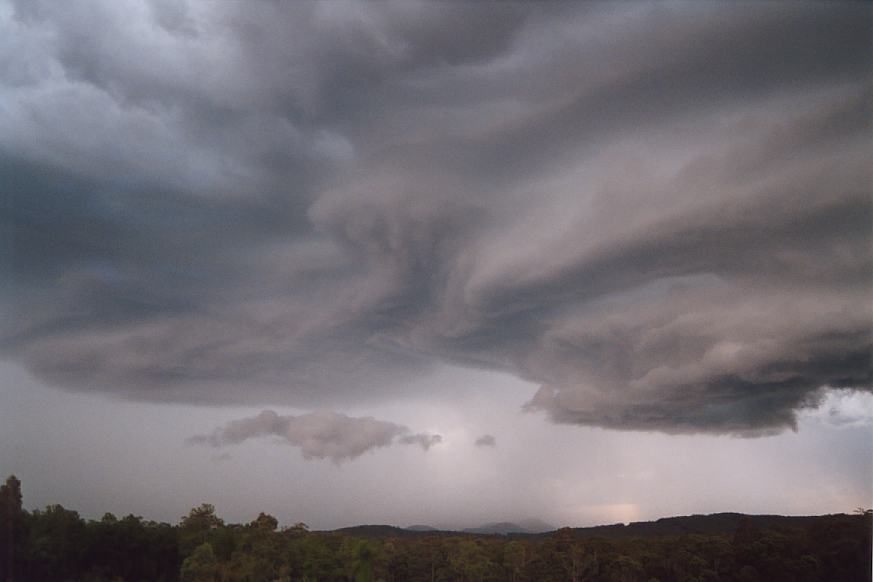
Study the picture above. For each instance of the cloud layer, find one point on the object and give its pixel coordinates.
(659, 213)
(319, 435)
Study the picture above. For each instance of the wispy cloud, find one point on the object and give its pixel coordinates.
(486, 440)
(318, 435)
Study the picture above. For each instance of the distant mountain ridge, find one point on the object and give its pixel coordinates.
(421, 528)
(715, 523)
(497, 528)
(526, 526)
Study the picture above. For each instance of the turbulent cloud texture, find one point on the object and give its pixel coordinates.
(660, 213)
(844, 408)
(319, 435)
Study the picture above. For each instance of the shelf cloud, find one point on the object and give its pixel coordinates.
(660, 214)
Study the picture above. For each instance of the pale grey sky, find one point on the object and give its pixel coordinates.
(98, 454)
(300, 256)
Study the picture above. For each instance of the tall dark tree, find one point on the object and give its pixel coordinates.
(11, 527)
(196, 527)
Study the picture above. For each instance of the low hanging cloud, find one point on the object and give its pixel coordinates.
(486, 440)
(659, 214)
(318, 435)
(424, 440)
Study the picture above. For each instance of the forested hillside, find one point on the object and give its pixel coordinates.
(57, 544)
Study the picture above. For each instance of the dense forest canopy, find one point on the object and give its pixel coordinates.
(58, 544)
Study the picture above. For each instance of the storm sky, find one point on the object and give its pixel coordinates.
(374, 261)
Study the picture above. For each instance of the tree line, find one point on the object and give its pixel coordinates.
(56, 544)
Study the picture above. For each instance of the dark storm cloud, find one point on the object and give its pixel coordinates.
(319, 435)
(659, 213)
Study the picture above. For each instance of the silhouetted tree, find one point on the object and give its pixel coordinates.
(12, 530)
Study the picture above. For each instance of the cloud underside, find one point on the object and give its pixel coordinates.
(486, 440)
(318, 435)
(660, 214)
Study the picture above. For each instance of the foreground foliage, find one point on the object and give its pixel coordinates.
(57, 544)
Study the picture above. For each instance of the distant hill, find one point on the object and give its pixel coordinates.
(388, 531)
(534, 525)
(717, 523)
(374, 531)
(382, 531)
(501, 528)
(527, 526)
